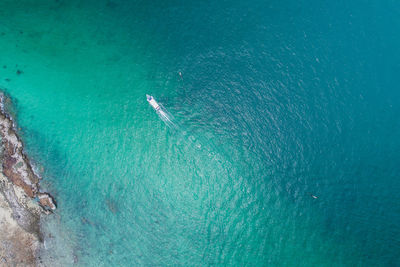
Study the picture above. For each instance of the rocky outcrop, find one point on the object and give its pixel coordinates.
(19, 226)
(21, 200)
(16, 165)
(46, 201)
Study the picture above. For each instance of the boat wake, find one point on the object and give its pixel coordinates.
(166, 117)
(162, 112)
(191, 140)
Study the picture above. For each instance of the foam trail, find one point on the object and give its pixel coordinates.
(161, 112)
(169, 120)
(166, 117)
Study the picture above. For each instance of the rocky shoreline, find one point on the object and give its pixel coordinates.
(21, 200)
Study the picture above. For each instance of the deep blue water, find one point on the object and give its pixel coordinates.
(278, 101)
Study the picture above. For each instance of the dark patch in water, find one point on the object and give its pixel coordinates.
(111, 4)
(112, 206)
(19, 72)
(87, 221)
(75, 257)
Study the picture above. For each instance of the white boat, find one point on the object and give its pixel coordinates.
(161, 112)
(153, 102)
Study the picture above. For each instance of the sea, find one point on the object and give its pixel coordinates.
(285, 142)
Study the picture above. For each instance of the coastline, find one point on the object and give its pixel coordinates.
(22, 203)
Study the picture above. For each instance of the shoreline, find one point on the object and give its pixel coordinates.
(22, 203)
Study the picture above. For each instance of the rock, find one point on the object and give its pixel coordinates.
(19, 226)
(46, 201)
(16, 165)
(20, 212)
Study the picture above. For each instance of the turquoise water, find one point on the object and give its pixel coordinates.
(278, 101)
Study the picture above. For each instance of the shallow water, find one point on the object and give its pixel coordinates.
(278, 101)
